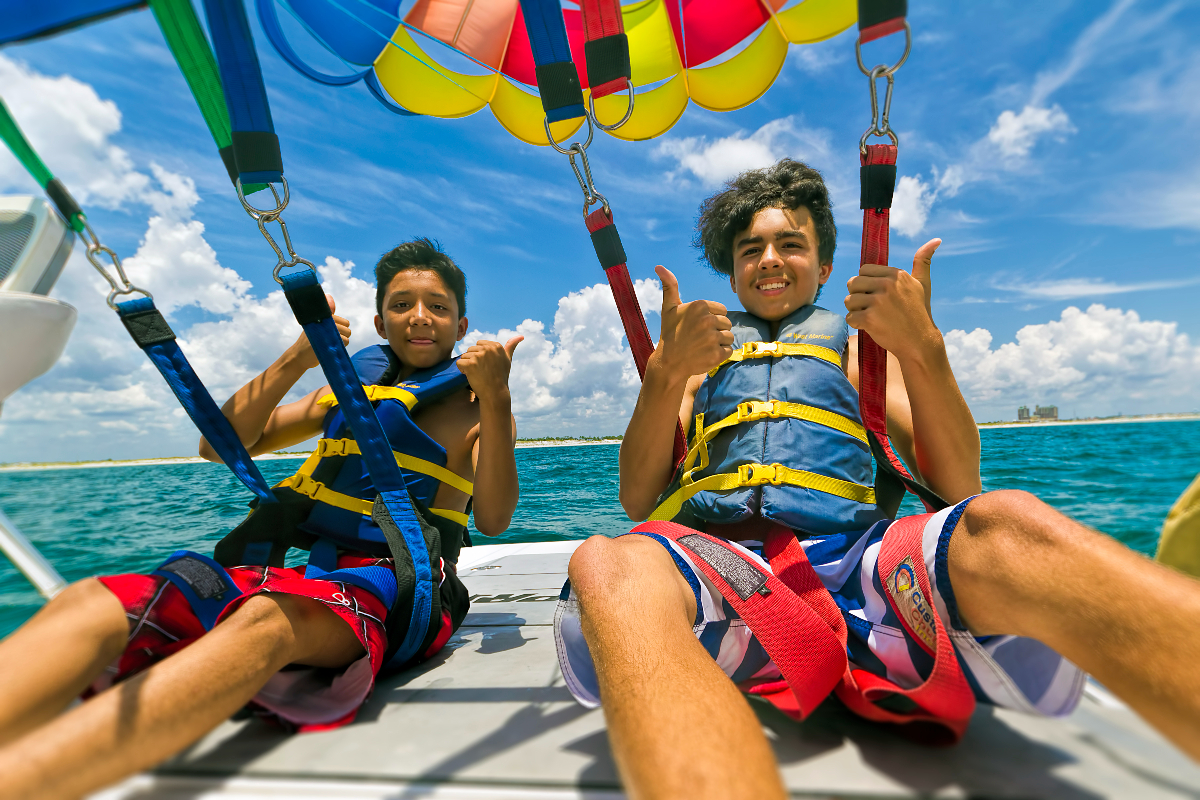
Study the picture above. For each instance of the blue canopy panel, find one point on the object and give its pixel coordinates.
(21, 20)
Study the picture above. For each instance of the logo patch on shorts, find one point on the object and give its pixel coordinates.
(912, 606)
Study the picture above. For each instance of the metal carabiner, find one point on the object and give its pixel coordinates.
(880, 125)
(590, 195)
(624, 119)
(264, 216)
(92, 248)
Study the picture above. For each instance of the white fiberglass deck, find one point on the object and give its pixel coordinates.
(491, 718)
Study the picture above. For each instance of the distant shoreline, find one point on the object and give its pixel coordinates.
(151, 462)
(1094, 421)
(534, 443)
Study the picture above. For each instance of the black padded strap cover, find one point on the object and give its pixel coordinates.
(607, 58)
(877, 183)
(558, 83)
(608, 246)
(257, 151)
(148, 327)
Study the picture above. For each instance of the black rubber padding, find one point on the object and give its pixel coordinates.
(607, 58)
(608, 246)
(62, 200)
(873, 12)
(559, 85)
(257, 151)
(878, 183)
(308, 303)
(230, 163)
(148, 327)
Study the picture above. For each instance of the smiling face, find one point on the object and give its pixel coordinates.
(776, 269)
(420, 318)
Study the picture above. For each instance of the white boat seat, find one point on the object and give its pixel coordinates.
(33, 332)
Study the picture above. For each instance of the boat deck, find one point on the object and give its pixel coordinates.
(491, 718)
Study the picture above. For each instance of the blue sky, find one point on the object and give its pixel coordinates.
(1046, 144)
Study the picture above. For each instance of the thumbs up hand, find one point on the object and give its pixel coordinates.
(487, 364)
(695, 336)
(894, 306)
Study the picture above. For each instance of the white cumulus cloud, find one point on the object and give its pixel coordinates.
(578, 377)
(1014, 135)
(1101, 360)
(716, 161)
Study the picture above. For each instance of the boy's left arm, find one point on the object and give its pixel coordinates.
(893, 306)
(486, 365)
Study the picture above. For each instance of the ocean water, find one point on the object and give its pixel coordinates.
(1118, 478)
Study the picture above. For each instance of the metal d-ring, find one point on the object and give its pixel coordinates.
(888, 71)
(259, 214)
(568, 151)
(624, 119)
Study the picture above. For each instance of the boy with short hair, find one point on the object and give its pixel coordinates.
(174, 679)
(778, 455)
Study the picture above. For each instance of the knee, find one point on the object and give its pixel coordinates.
(267, 618)
(1009, 528)
(603, 567)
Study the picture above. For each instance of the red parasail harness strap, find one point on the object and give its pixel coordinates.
(797, 622)
(606, 47)
(610, 251)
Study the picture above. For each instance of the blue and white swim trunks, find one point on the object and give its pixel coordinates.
(1009, 671)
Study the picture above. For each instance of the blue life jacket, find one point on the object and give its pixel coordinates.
(777, 433)
(335, 474)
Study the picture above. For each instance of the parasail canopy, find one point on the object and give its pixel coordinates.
(452, 58)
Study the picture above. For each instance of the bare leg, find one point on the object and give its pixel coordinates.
(678, 726)
(49, 660)
(1020, 567)
(154, 715)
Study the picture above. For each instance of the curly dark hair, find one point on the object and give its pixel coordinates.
(786, 184)
(420, 254)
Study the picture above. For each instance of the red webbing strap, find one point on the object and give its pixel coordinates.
(872, 359)
(799, 641)
(945, 698)
(636, 332)
(801, 628)
(601, 20)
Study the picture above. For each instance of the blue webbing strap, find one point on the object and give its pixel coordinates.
(557, 77)
(151, 333)
(203, 582)
(307, 299)
(255, 145)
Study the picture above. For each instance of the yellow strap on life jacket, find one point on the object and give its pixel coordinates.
(347, 447)
(318, 491)
(376, 393)
(754, 410)
(303, 482)
(760, 475)
(772, 349)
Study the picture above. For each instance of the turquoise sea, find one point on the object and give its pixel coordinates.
(1119, 478)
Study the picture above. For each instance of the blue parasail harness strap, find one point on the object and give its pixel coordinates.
(204, 583)
(393, 510)
(255, 145)
(154, 336)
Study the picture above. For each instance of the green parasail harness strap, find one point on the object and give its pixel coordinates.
(188, 44)
(20, 147)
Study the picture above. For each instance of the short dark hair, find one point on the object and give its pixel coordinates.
(420, 254)
(786, 184)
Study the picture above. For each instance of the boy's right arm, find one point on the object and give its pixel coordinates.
(695, 337)
(261, 424)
